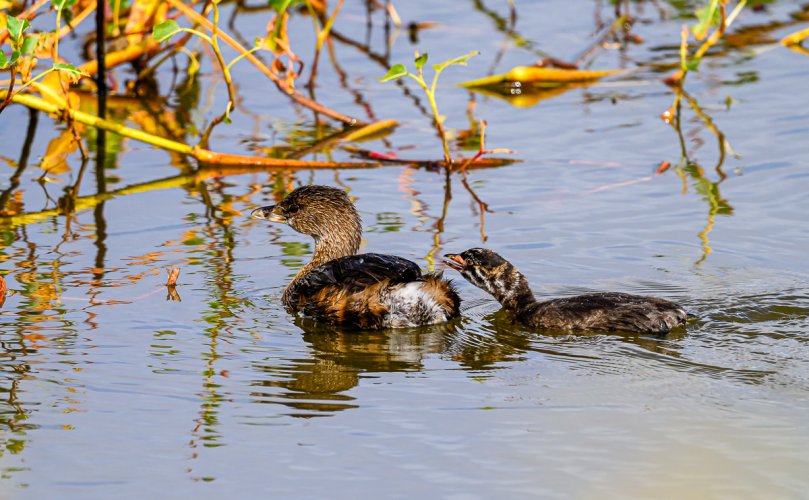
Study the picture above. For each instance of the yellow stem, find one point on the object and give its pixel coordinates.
(199, 34)
(242, 56)
(202, 155)
(431, 97)
(94, 121)
(324, 33)
(56, 41)
(32, 81)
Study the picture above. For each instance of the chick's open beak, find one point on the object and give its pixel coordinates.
(267, 213)
(454, 261)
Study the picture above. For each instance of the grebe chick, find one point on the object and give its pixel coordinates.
(606, 311)
(368, 291)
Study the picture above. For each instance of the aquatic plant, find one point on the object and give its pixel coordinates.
(713, 15)
(167, 29)
(399, 71)
(23, 48)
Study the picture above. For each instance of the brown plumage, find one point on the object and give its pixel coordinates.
(606, 311)
(338, 287)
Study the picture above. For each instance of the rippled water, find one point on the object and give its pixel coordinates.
(112, 388)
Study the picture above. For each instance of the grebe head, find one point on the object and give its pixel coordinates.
(483, 268)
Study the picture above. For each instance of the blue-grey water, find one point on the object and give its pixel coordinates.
(112, 389)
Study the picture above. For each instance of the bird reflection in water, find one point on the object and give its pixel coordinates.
(316, 385)
(319, 384)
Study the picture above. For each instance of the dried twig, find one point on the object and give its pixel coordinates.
(173, 273)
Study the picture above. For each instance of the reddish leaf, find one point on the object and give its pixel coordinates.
(664, 165)
(381, 156)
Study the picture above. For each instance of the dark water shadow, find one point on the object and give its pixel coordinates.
(317, 384)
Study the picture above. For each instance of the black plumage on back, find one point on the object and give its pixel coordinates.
(354, 272)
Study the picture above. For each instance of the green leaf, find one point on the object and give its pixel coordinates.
(63, 4)
(461, 60)
(69, 68)
(165, 30)
(16, 27)
(3, 60)
(421, 60)
(14, 56)
(282, 5)
(693, 63)
(708, 16)
(28, 45)
(397, 71)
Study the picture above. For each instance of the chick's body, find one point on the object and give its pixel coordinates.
(606, 311)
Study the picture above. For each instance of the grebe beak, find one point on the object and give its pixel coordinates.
(267, 213)
(454, 261)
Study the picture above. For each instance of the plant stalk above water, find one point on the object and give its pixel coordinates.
(399, 70)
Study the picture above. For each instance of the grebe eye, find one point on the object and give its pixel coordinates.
(292, 209)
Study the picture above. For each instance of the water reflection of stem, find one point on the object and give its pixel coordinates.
(342, 76)
(720, 137)
(439, 224)
(506, 26)
(704, 186)
(22, 164)
(322, 36)
(385, 64)
(98, 213)
(67, 202)
(619, 23)
(703, 237)
(418, 208)
(482, 206)
(221, 311)
(209, 399)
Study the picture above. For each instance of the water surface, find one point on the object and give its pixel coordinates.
(112, 388)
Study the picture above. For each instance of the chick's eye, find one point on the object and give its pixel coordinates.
(292, 209)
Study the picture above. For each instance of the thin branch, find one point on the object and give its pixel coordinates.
(282, 86)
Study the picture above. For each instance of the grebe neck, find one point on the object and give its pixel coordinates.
(511, 289)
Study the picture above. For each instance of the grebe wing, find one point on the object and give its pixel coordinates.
(355, 272)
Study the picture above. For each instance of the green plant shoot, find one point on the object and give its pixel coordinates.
(399, 70)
